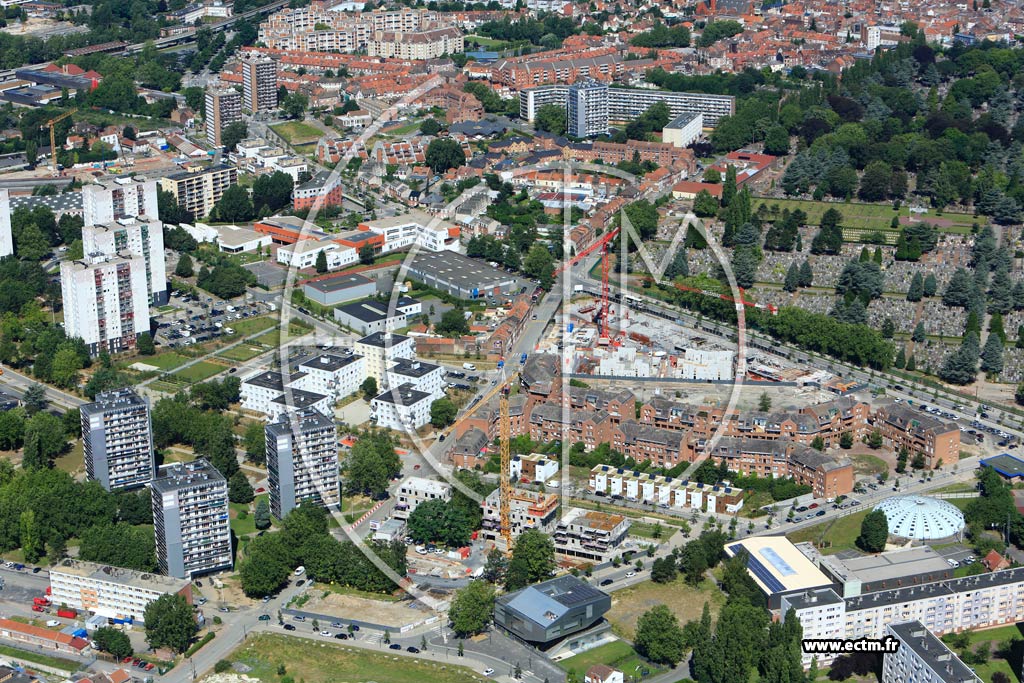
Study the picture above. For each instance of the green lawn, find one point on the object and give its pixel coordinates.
(241, 353)
(861, 218)
(249, 326)
(618, 655)
(650, 531)
(39, 658)
(486, 43)
(994, 636)
(865, 463)
(322, 662)
(297, 131)
(242, 527)
(72, 461)
(407, 129)
(165, 361)
(201, 371)
(840, 533)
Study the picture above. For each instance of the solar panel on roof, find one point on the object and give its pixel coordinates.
(579, 594)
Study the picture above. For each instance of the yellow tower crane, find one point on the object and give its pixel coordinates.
(53, 140)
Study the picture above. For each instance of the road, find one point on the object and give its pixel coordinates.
(15, 383)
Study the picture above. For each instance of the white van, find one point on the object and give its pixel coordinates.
(468, 366)
(300, 571)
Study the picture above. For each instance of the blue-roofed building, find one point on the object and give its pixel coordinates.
(561, 611)
(1008, 466)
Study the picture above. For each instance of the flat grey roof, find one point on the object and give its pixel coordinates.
(302, 420)
(928, 590)
(377, 339)
(456, 269)
(403, 395)
(268, 380)
(181, 475)
(113, 400)
(413, 368)
(933, 652)
(871, 568)
(338, 284)
(329, 362)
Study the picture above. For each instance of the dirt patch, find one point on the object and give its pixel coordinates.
(391, 614)
(685, 601)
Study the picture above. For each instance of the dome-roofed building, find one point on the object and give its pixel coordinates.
(920, 518)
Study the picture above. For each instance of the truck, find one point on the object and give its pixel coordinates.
(67, 613)
(44, 602)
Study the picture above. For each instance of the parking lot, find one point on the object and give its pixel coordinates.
(268, 273)
(201, 319)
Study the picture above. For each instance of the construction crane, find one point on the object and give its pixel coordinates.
(505, 492)
(53, 139)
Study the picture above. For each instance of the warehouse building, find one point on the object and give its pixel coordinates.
(331, 291)
(463, 277)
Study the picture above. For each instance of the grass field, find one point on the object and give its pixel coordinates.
(994, 637)
(242, 527)
(199, 372)
(39, 658)
(297, 132)
(840, 533)
(248, 326)
(486, 43)
(870, 217)
(73, 461)
(165, 361)
(320, 662)
(618, 655)
(241, 353)
(865, 463)
(685, 601)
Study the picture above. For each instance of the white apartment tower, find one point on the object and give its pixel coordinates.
(118, 440)
(106, 301)
(190, 519)
(259, 84)
(223, 107)
(141, 237)
(111, 200)
(302, 461)
(6, 239)
(587, 109)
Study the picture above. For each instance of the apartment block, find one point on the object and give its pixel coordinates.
(333, 375)
(402, 408)
(266, 392)
(590, 535)
(528, 510)
(381, 351)
(625, 104)
(418, 374)
(111, 592)
(6, 237)
(828, 477)
(139, 236)
(106, 301)
(190, 519)
(198, 190)
(922, 658)
(532, 467)
(419, 45)
(259, 84)
(109, 200)
(903, 427)
(656, 489)
(587, 109)
(223, 107)
(683, 129)
(118, 440)
(302, 461)
(415, 490)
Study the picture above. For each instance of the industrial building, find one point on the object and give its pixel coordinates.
(852, 576)
(463, 277)
(302, 461)
(190, 519)
(373, 315)
(117, 440)
(112, 592)
(778, 568)
(331, 291)
(551, 612)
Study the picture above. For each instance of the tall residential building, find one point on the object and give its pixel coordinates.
(138, 237)
(302, 461)
(106, 301)
(190, 519)
(111, 200)
(922, 658)
(587, 109)
(6, 240)
(197, 191)
(259, 84)
(223, 107)
(625, 104)
(118, 440)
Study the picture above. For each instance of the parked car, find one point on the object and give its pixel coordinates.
(341, 636)
(607, 582)
(299, 617)
(488, 671)
(413, 649)
(289, 627)
(395, 646)
(264, 617)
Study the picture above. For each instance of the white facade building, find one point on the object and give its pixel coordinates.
(106, 302)
(266, 393)
(333, 375)
(6, 238)
(110, 200)
(111, 592)
(420, 375)
(381, 350)
(922, 658)
(372, 315)
(303, 254)
(415, 490)
(401, 408)
(139, 237)
(684, 129)
(415, 227)
(535, 467)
